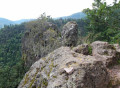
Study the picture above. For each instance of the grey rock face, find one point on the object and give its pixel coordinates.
(83, 49)
(105, 52)
(114, 76)
(74, 68)
(64, 68)
(70, 34)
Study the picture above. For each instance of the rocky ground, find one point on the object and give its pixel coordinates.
(93, 65)
(68, 68)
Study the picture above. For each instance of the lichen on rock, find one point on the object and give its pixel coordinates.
(63, 70)
(70, 34)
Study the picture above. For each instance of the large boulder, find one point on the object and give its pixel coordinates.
(70, 34)
(64, 68)
(105, 52)
(110, 55)
(84, 66)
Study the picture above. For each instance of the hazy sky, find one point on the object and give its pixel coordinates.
(26, 9)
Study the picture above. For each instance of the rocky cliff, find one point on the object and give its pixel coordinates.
(85, 66)
(38, 41)
(68, 68)
(69, 34)
(44, 37)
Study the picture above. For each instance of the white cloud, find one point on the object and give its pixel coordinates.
(25, 9)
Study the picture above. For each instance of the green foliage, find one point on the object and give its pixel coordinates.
(89, 50)
(104, 21)
(119, 61)
(11, 65)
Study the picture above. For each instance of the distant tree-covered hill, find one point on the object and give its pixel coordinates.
(78, 15)
(22, 20)
(4, 21)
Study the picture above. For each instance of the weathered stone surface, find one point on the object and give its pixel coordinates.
(105, 52)
(117, 47)
(83, 49)
(110, 56)
(75, 68)
(70, 34)
(64, 68)
(114, 76)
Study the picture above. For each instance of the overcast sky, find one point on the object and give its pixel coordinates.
(27, 9)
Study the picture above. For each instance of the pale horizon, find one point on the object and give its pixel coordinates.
(32, 9)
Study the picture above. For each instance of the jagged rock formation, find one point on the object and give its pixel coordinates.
(105, 52)
(43, 38)
(70, 34)
(83, 49)
(75, 68)
(114, 71)
(84, 66)
(64, 68)
(39, 41)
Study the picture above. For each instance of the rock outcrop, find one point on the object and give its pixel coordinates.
(70, 34)
(84, 66)
(110, 55)
(83, 49)
(44, 38)
(39, 41)
(105, 52)
(114, 72)
(75, 68)
(64, 68)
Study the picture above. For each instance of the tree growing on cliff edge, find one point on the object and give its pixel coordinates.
(104, 21)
